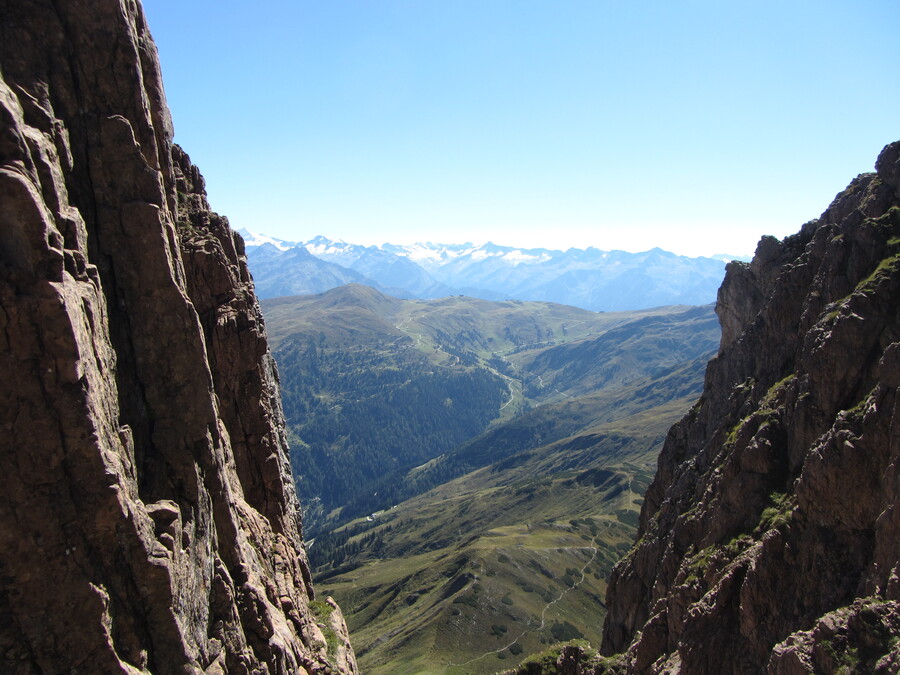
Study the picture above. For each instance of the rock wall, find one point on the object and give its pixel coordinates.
(770, 538)
(148, 520)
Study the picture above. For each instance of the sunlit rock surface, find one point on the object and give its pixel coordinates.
(770, 538)
(148, 521)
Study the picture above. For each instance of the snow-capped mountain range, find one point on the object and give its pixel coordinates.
(588, 278)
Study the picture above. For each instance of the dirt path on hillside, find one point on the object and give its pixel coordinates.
(594, 550)
(417, 336)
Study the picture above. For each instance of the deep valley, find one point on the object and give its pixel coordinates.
(467, 479)
(489, 465)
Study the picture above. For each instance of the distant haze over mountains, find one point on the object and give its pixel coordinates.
(587, 278)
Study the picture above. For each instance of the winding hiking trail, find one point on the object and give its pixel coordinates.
(417, 336)
(594, 551)
(542, 385)
(510, 382)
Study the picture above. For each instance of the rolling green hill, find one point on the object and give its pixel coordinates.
(498, 563)
(565, 415)
(373, 386)
(482, 462)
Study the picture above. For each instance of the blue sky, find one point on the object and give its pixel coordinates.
(693, 125)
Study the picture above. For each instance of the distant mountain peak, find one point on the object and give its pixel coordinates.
(252, 238)
(589, 278)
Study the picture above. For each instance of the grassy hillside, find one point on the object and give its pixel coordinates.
(615, 408)
(648, 345)
(373, 386)
(472, 470)
(482, 570)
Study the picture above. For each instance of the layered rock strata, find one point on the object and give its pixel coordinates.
(770, 539)
(148, 520)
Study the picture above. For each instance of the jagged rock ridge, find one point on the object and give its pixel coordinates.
(770, 538)
(148, 521)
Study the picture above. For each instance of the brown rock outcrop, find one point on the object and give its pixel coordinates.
(770, 537)
(148, 521)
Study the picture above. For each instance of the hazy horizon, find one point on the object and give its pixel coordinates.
(476, 244)
(695, 127)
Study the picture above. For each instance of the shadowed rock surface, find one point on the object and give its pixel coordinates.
(148, 521)
(770, 537)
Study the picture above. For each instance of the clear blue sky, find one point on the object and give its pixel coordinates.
(693, 125)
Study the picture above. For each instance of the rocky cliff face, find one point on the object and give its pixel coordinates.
(148, 521)
(770, 538)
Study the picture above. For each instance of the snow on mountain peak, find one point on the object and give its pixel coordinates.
(252, 238)
(590, 278)
(323, 246)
